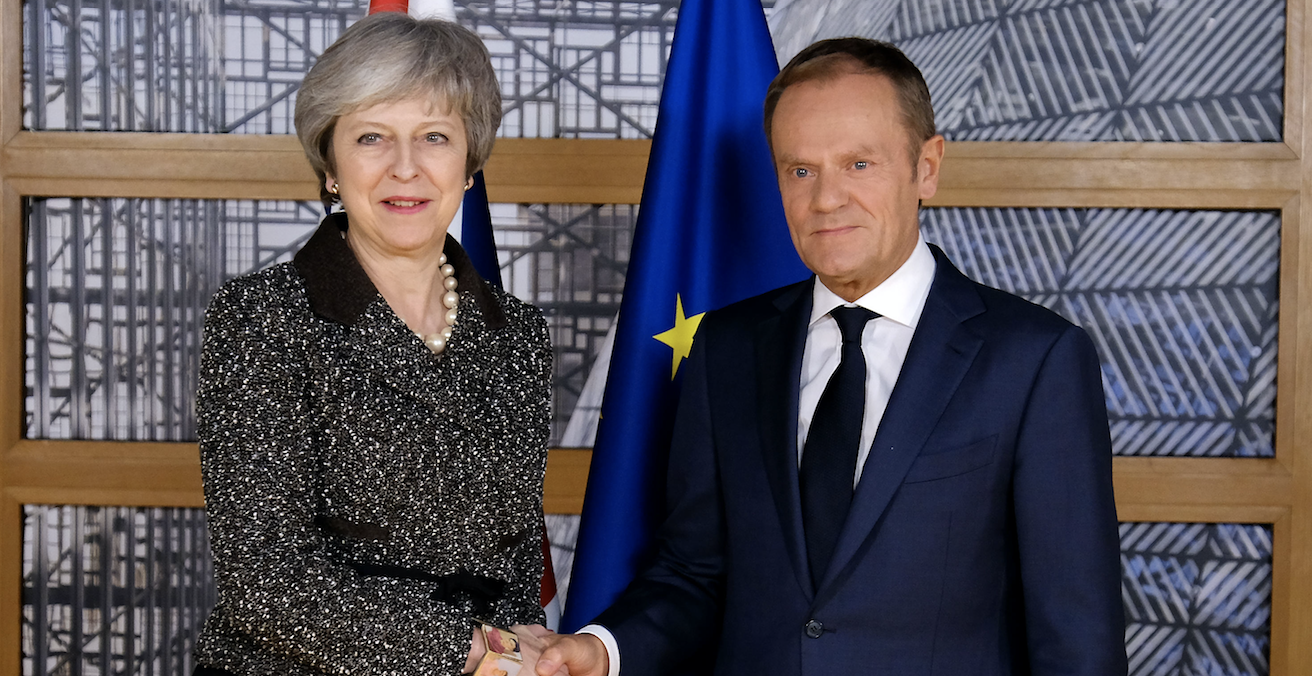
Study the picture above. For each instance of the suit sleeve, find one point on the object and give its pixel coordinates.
(271, 566)
(670, 615)
(1066, 518)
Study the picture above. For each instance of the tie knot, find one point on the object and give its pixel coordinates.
(852, 321)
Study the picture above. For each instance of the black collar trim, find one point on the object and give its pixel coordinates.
(340, 290)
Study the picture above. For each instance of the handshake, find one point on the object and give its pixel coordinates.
(534, 651)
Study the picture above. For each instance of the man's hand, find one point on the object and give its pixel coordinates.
(573, 655)
(532, 641)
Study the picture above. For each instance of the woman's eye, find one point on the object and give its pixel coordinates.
(860, 164)
(435, 138)
(370, 138)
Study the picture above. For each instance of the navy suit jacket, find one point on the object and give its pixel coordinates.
(982, 537)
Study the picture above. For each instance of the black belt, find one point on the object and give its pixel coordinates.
(482, 591)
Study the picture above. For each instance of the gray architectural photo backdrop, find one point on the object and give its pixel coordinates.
(1181, 304)
(1197, 598)
(1075, 70)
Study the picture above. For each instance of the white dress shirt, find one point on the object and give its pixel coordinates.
(899, 300)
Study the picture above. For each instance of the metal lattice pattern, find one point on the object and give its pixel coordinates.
(1076, 70)
(577, 69)
(581, 69)
(131, 66)
(569, 260)
(1182, 306)
(267, 48)
(117, 289)
(113, 590)
(1197, 598)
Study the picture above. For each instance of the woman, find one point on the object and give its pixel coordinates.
(373, 416)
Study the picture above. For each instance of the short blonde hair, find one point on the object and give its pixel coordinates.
(390, 56)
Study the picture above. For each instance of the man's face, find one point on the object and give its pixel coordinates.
(845, 172)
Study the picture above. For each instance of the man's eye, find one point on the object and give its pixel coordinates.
(801, 173)
(860, 164)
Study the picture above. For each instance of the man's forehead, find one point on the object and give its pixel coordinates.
(849, 73)
(835, 105)
(867, 91)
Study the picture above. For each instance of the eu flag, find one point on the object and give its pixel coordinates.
(710, 232)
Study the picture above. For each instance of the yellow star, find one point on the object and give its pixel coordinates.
(680, 337)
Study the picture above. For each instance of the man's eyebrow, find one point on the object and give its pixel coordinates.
(863, 151)
(782, 160)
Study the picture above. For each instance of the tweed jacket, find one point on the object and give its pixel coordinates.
(355, 483)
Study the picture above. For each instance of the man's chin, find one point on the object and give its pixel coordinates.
(838, 268)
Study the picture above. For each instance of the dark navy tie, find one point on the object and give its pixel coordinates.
(829, 456)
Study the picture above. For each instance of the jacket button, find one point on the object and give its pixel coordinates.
(814, 629)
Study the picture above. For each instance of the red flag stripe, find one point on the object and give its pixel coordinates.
(376, 6)
(548, 571)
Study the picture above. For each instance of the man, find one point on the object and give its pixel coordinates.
(887, 469)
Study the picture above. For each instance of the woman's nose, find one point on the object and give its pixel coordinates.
(403, 163)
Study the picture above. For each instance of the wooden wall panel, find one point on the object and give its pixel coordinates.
(1187, 175)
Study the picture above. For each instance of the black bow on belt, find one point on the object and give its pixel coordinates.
(481, 591)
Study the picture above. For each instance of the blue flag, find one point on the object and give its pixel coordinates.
(476, 233)
(710, 231)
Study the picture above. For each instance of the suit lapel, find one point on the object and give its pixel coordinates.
(780, 341)
(940, 354)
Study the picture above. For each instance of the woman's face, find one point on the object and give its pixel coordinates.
(400, 176)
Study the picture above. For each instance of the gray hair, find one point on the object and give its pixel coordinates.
(827, 59)
(390, 56)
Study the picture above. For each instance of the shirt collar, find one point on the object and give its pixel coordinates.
(900, 298)
(339, 288)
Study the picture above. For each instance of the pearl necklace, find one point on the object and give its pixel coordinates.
(436, 342)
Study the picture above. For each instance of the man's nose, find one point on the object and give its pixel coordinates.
(828, 194)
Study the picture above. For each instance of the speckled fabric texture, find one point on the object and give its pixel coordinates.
(331, 437)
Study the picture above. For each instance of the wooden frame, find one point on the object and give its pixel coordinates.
(1186, 175)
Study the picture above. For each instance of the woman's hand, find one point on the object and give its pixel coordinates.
(531, 644)
(476, 649)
